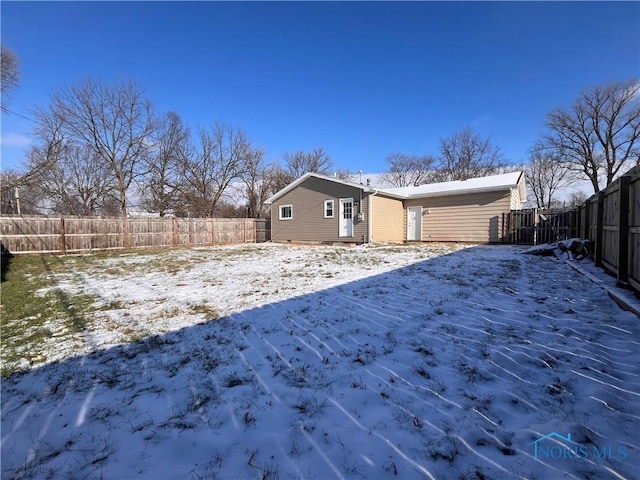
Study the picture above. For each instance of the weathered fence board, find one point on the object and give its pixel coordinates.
(77, 235)
(263, 230)
(634, 232)
(534, 226)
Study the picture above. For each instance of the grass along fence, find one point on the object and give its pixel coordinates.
(77, 235)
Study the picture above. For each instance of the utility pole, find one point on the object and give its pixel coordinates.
(18, 200)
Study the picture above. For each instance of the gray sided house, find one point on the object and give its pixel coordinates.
(317, 208)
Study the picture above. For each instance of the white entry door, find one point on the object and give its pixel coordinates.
(346, 217)
(414, 223)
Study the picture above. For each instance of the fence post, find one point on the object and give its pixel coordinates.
(125, 226)
(536, 220)
(574, 223)
(508, 228)
(174, 232)
(213, 231)
(623, 232)
(587, 220)
(599, 228)
(579, 222)
(63, 239)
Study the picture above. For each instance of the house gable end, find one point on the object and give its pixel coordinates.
(312, 175)
(309, 222)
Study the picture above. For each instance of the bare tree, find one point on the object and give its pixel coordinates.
(228, 209)
(348, 175)
(615, 113)
(299, 163)
(545, 174)
(276, 178)
(7, 194)
(466, 155)
(409, 170)
(599, 133)
(571, 138)
(19, 194)
(50, 142)
(10, 74)
(77, 183)
(116, 121)
(577, 198)
(208, 170)
(256, 184)
(160, 191)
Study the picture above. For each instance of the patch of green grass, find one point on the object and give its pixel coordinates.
(31, 303)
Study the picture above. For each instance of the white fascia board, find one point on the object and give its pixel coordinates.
(445, 193)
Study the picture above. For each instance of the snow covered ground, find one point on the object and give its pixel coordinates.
(327, 362)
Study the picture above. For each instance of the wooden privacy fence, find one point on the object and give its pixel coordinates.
(263, 230)
(537, 226)
(76, 235)
(610, 218)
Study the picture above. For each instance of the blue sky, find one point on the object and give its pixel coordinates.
(360, 79)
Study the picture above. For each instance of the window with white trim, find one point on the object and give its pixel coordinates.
(328, 209)
(286, 212)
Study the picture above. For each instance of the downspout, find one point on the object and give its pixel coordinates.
(370, 225)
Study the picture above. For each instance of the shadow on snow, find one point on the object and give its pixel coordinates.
(448, 367)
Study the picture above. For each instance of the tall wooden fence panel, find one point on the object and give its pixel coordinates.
(609, 233)
(592, 218)
(634, 232)
(144, 232)
(519, 226)
(263, 230)
(537, 226)
(77, 235)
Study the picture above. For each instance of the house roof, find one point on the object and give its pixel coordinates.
(505, 181)
(304, 177)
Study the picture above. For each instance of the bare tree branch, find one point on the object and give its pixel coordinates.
(299, 163)
(599, 133)
(160, 185)
(10, 73)
(466, 155)
(17, 184)
(256, 185)
(115, 120)
(545, 175)
(207, 172)
(409, 170)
